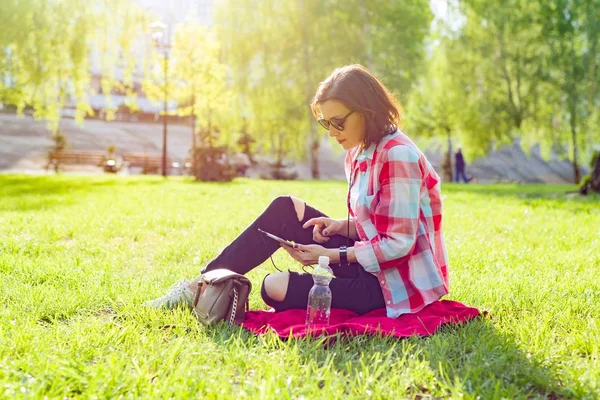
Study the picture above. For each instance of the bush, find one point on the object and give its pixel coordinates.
(211, 164)
(592, 181)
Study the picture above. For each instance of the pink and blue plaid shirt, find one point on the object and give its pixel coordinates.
(396, 205)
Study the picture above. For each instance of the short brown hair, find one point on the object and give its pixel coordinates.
(361, 91)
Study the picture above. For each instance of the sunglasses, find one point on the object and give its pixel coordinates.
(337, 123)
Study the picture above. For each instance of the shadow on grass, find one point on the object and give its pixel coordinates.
(474, 358)
(487, 362)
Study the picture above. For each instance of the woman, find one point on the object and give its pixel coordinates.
(391, 253)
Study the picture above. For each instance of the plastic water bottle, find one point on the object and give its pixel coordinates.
(319, 297)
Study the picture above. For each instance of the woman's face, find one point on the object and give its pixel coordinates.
(353, 133)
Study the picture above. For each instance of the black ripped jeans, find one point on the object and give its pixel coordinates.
(352, 288)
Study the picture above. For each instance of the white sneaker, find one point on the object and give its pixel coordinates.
(180, 293)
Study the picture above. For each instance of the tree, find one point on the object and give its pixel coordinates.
(278, 52)
(494, 60)
(395, 34)
(200, 81)
(572, 29)
(46, 52)
(435, 106)
(528, 70)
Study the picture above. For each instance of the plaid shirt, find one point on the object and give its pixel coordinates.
(395, 202)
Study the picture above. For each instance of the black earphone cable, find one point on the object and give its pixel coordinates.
(351, 182)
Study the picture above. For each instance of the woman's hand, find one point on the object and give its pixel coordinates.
(324, 227)
(307, 254)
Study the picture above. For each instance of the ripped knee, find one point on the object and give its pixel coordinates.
(282, 203)
(274, 287)
(299, 206)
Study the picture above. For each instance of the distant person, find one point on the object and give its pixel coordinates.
(459, 162)
(388, 251)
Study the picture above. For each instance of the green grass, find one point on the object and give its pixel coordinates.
(78, 255)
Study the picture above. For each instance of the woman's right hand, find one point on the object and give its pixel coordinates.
(324, 227)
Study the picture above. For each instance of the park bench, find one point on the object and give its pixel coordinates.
(150, 163)
(71, 157)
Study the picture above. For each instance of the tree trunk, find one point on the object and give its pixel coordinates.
(573, 100)
(279, 149)
(576, 173)
(314, 148)
(573, 123)
(314, 153)
(209, 132)
(193, 117)
(595, 175)
(314, 137)
(193, 131)
(451, 173)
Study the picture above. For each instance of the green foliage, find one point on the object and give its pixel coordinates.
(196, 79)
(572, 29)
(72, 282)
(46, 49)
(494, 62)
(435, 107)
(279, 51)
(524, 69)
(489, 72)
(591, 182)
(396, 32)
(210, 164)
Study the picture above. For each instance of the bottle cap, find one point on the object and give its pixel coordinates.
(323, 260)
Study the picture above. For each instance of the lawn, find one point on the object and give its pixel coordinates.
(78, 255)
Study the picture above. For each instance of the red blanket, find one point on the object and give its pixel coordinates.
(424, 323)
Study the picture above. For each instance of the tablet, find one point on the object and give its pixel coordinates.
(277, 238)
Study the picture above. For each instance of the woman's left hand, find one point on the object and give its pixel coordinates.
(306, 254)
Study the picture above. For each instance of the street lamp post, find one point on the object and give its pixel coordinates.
(161, 41)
